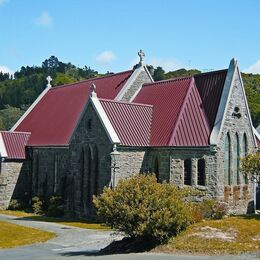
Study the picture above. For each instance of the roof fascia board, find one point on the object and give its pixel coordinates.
(31, 108)
(225, 96)
(223, 106)
(104, 120)
(3, 152)
(48, 146)
(131, 80)
(138, 90)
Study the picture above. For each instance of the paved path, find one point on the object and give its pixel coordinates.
(77, 243)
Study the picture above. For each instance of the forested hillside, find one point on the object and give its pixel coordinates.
(17, 92)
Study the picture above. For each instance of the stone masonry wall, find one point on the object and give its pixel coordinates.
(239, 195)
(177, 158)
(49, 167)
(140, 80)
(8, 178)
(90, 163)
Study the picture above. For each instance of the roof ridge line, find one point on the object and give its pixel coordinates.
(125, 102)
(168, 80)
(210, 72)
(14, 132)
(85, 80)
(180, 111)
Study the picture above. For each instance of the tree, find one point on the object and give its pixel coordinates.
(10, 116)
(158, 74)
(142, 207)
(250, 165)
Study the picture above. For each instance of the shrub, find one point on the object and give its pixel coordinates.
(219, 210)
(15, 205)
(37, 205)
(139, 206)
(209, 209)
(55, 207)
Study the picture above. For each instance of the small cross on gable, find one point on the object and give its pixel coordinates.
(49, 79)
(141, 55)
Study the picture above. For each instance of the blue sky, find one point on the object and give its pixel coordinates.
(107, 34)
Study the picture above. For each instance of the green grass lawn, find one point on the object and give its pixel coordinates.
(68, 222)
(12, 235)
(232, 235)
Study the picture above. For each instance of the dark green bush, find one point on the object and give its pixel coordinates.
(139, 206)
(37, 205)
(55, 207)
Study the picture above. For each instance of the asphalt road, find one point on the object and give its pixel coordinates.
(77, 243)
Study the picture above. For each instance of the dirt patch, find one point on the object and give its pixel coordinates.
(215, 233)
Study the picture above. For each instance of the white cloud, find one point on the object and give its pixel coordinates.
(5, 69)
(254, 69)
(166, 64)
(3, 1)
(44, 19)
(105, 57)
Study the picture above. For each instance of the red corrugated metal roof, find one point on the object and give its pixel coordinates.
(210, 86)
(15, 143)
(132, 122)
(167, 98)
(54, 118)
(191, 128)
(184, 108)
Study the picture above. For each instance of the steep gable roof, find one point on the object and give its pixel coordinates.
(13, 144)
(178, 116)
(55, 116)
(132, 122)
(210, 86)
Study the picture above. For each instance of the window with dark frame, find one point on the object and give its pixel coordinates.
(187, 172)
(201, 172)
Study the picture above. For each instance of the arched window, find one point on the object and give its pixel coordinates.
(244, 151)
(187, 172)
(227, 160)
(156, 168)
(236, 159)
(201, 172)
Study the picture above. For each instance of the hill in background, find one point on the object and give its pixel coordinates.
(18, 91)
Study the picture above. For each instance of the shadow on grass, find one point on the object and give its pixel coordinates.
(250, 216)
(125, 246)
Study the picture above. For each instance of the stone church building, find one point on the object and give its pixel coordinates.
(188, 131)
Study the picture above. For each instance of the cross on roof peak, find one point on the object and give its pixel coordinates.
(93, 90)
(141, 54)
(49, 79)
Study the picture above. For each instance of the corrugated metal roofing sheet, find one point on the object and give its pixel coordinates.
(167, 98)
(132, 122)
(15, 143)
(210, 86)
(191, 128)
(54, 118)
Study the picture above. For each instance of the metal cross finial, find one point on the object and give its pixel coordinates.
(92, 90)
(141, 55)
(49, 79)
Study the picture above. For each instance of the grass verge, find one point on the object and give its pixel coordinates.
(67, 222)
(12, 235)
(232, 235)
